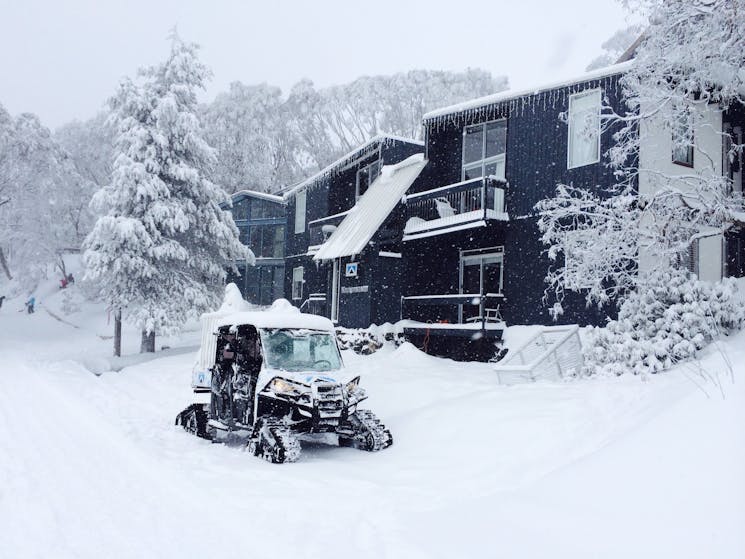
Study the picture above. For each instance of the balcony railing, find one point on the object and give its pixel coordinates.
(321, 229)
(476, 309)
(449, 207)
(314, 304)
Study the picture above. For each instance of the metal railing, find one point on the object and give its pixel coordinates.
(314, 304)
(554, 352)
(475, 196)
(320, 229)
(486, 306)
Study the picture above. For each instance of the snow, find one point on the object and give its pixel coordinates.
(452, 229)
(614, 467)
(329, 217)
(450, 223)
(510, 94)
(372, 209)
(346, 159)
(257, 194)
(281, 314)
(450, 325)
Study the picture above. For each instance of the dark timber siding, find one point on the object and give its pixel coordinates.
(536, 161)
(333, 194)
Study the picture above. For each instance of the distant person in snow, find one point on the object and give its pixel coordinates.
(66, 280)
(2, 298)
(30, 304)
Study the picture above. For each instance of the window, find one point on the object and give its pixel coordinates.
(365, 177)
(240, 209)
(258, 208)
(484, 147)
(300, 350)
(481, 273)
(245, 235)
(481, 270)
(277, 241)
(683, 138)
(264, 209)
(297, 283)
(584, 129)
(300, 200)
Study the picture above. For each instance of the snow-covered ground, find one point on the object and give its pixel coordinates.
(92, 465)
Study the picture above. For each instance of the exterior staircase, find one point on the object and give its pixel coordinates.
(553, 353)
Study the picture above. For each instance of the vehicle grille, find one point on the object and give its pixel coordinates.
(328, 398)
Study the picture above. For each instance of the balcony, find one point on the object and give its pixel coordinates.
(455, 207)
(320, 230)
(457, 314)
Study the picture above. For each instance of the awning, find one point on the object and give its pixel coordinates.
(372, 209)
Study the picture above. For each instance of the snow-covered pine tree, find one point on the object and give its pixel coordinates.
(161, 245)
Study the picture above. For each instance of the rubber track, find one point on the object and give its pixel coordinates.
(381, 437)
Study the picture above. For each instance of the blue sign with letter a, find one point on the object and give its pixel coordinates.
(351, 270)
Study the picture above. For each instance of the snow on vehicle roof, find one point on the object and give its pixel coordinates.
(372, 209)
(347, 158)
(508, 95)
(280, 315)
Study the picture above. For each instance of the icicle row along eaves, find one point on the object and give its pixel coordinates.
(519, 105)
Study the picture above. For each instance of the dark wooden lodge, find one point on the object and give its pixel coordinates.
(472, 252)
(261, 222)
(344, 236)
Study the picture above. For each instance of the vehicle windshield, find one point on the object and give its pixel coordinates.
(300, 349)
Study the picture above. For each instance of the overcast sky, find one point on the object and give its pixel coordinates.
(62, 58)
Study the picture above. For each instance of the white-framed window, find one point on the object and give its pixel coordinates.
(365, 177)
(484, 148)
(482, 270)
(584, 128)
(682, 138)
(297, 283)
(481, 273)
(300, 204)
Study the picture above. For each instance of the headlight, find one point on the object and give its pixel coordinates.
(286, 387)
(352, 385)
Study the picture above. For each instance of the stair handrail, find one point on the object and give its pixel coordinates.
(527, 367)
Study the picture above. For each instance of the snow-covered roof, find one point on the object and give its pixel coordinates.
(257, 194)
(280, 315)
(343, 161)
(514, 94)
(372, 209)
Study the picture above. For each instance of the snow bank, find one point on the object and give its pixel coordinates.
(610, 467)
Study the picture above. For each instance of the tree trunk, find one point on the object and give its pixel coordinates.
(61, 265)
(148, 342)
(117, 333)
(4, 264)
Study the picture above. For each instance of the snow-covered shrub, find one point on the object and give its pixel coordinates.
(365, 341)
(665, 321)
(361, 341)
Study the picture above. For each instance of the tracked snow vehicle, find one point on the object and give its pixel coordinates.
(273, 378)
